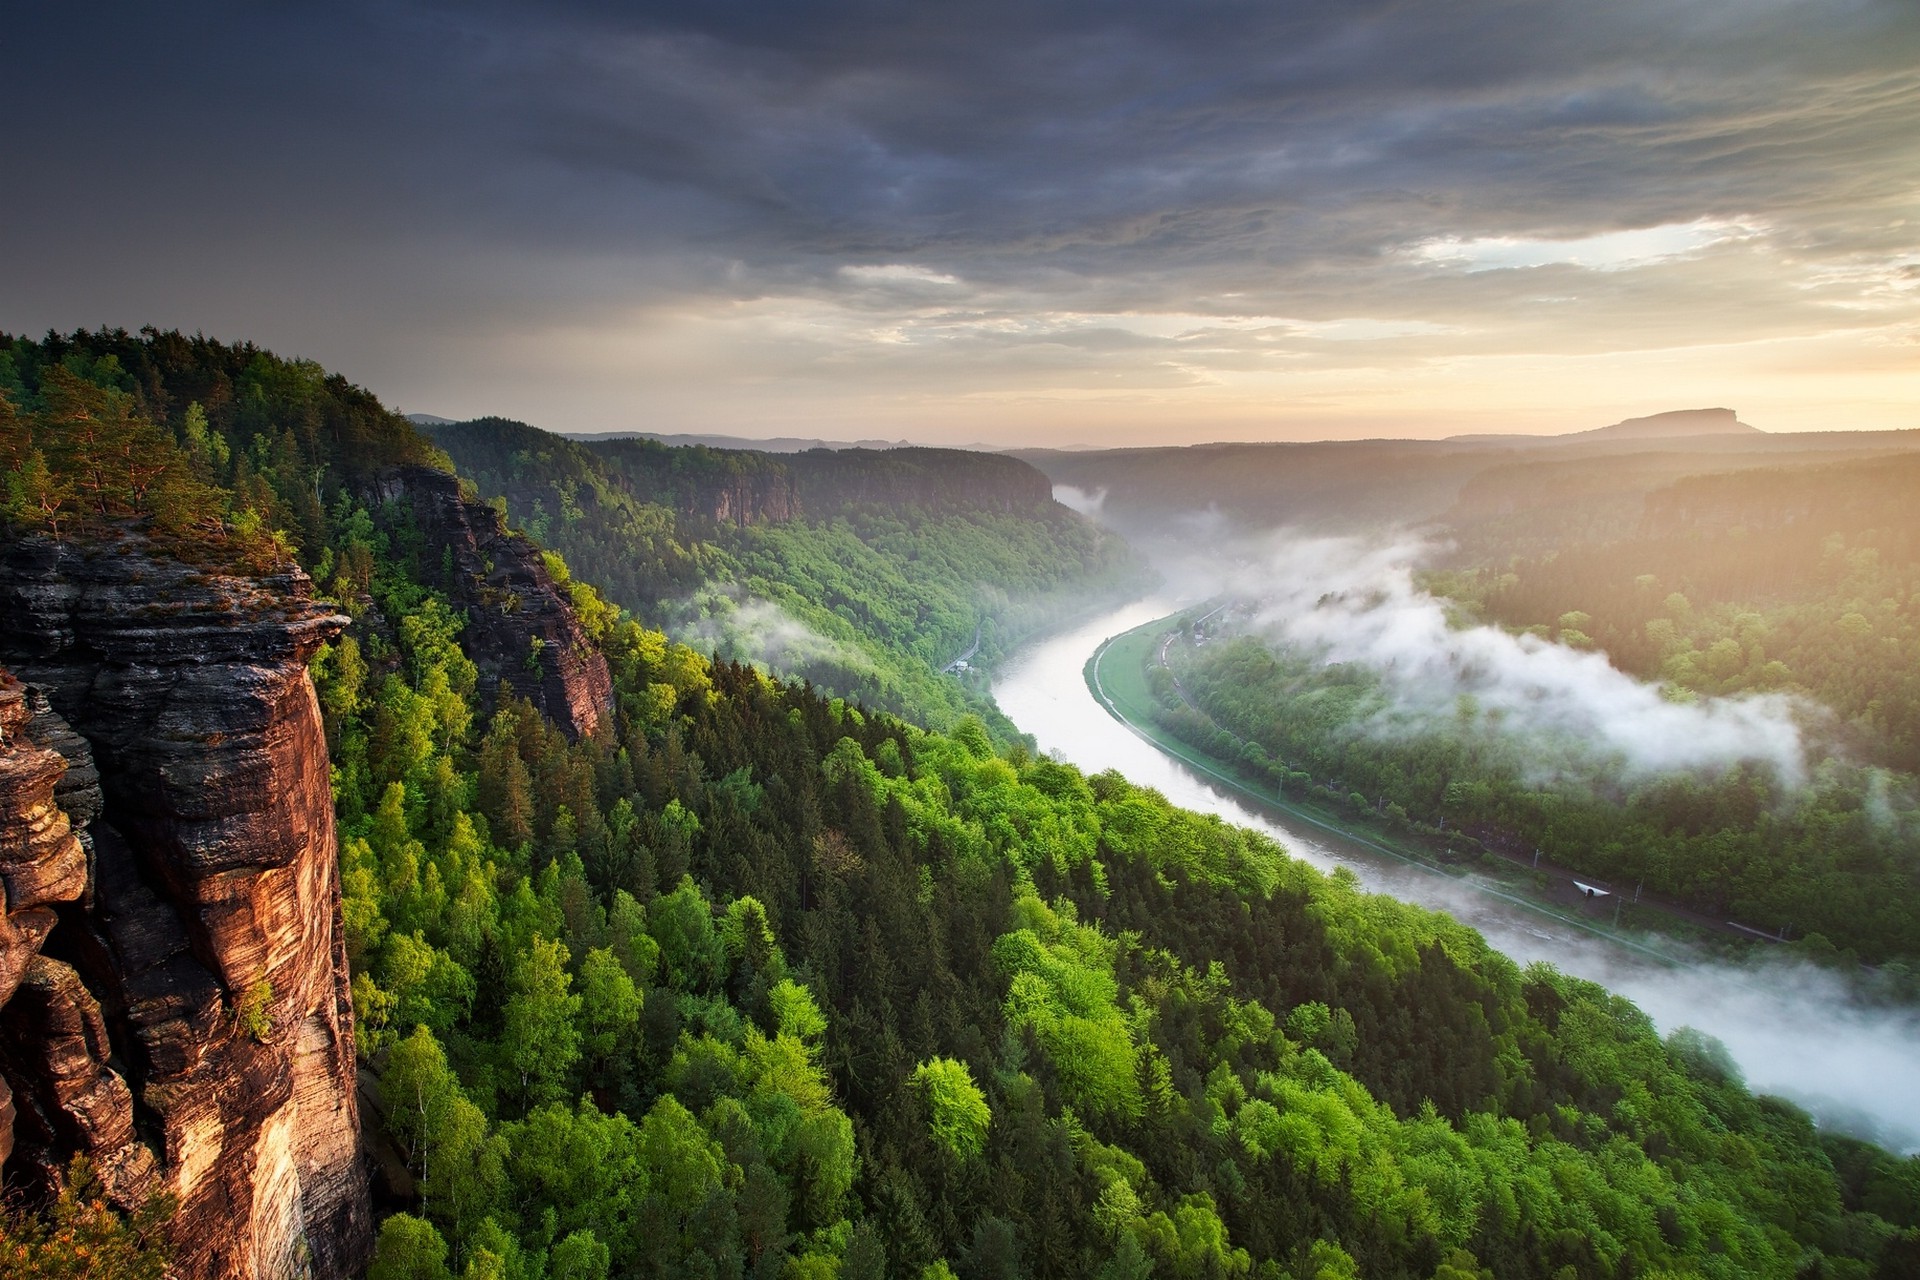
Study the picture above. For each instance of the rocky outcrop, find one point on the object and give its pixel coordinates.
(42, 862)
(53, 1042)
(749, 497)
(188, 1023)
(932, 479)
(521, 627)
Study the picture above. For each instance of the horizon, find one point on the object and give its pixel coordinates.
(1022, 226)
(730, 439)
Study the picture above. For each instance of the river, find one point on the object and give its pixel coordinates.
(1792, 1028)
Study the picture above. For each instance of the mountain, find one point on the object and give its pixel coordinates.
(1443, 485)
(775, 444)
(1681, 424)
(649, 964)
(895, 576)
(1677, 422)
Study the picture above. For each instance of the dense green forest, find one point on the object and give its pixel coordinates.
(763, 983)
(1837, 860)
(1793, 577)
(1804, 578)
(866, 573)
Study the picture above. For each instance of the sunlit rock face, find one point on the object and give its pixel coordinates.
(42, 862)
(521, 627)
(203, 952)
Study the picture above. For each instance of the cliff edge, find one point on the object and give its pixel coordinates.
(179, 1007)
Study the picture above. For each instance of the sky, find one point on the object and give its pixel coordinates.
(1011, 223)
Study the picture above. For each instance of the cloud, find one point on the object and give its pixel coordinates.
(1272, 202)
(896, 273)
(1606, 251)
(1352, 600)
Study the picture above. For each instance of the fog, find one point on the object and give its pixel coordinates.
(730, 623)
(1088, 502)
(1354, 600)
(1793, 1030)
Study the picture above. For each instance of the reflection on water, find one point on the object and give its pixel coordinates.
(1791, 1028)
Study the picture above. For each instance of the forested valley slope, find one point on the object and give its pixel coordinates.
(897, 577)
(1773, 579)
(659, 965)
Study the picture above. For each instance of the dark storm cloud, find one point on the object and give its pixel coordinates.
(474, 165)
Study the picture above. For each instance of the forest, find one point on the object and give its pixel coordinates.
(1833, 860)
(865, 573)
(1804, 578)
(764, 982)
(1793, 579)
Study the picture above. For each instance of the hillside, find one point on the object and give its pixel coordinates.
(864, 571)
(715, 976)
(1449, 486)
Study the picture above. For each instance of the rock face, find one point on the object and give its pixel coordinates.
(928, 478)
(41, 859)
(521, 627)
(42, 863)
(742, 488)
(188, 1021)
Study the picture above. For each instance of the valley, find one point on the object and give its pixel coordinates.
(619, 957)
(1145, 641)
(1794, 1030)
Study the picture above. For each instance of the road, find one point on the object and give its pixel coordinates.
(965, 657)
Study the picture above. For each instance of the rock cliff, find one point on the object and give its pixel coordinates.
(521, 627)
(179, 1010)
(742, 488)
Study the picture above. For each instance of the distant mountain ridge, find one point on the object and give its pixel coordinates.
(748, 486)
(1674, 424)
(775, 444)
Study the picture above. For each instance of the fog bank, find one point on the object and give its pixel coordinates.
(1351, 600)
(729, 623)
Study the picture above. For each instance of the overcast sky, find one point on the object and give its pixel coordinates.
(1011, 222)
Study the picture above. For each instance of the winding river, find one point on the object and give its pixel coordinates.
(1791, 1028)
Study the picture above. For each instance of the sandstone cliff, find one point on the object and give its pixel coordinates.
(521, 628)
(742, 488)
(180, 1013)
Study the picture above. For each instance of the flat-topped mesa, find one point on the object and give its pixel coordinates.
(206, 951)
(521, 627)
(1675, 423)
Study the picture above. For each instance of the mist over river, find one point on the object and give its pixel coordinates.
(1792, 1028)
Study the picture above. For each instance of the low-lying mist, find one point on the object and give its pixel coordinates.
(731, 624)
(1791, 1027)
(1351, 600)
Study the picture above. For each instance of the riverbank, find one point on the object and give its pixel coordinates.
(1793, 1029)
(1116, 675)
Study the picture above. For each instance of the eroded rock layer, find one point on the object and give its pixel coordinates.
(204, 953)
(521, 627)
